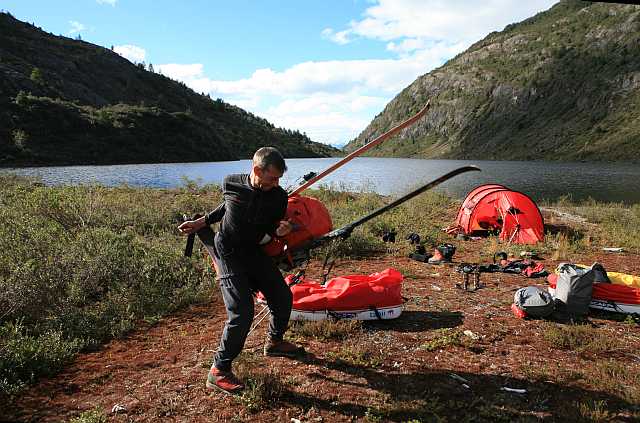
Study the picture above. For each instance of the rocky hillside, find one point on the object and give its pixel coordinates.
(562, 85)
(65, 101)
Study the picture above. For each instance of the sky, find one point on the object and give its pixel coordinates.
(323, 67)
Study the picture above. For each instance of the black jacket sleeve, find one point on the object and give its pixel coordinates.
(284, 201)
(215, 215)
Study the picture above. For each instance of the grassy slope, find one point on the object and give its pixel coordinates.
(562, 85)
(66, 101)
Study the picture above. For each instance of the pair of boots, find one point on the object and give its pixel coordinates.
(227, 382)
(441, 254)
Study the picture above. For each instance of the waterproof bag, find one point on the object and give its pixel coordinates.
(534, 301)
(574, 288)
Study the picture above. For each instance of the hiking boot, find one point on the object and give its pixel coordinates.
(275, 348)
(224, 381)
(437, 257)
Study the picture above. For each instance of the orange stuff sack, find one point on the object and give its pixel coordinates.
(310, 220)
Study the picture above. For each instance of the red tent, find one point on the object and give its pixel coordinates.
(494, 207)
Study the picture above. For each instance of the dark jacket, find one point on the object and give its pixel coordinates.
(248, 213)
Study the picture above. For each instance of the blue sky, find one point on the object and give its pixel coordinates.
(323, 67)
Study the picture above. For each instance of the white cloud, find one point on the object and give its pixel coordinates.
(332, 101)
(452, 20)
(131, 52)
(111, 2)
(337, 76)
(76, 27)
(182, 72)
(341, 37)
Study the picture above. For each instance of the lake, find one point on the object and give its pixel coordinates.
(540, 180)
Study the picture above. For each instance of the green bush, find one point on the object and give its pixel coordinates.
(81, 265)
(23, 356)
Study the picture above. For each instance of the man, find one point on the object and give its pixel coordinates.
(253, 211)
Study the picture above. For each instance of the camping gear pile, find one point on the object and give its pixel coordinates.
(526, 267)
(574, 288)
(612, 291)
(496, 209)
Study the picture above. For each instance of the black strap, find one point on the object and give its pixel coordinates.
(329, 260)
(375, 310)
(188, 249)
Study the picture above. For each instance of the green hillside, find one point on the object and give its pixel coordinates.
(65, 101)
(562, 85)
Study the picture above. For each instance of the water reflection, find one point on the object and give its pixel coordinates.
(540, 180)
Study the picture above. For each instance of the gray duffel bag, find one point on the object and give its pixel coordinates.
(534, 301)
(573, 291)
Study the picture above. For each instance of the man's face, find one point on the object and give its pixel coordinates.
(268, 178)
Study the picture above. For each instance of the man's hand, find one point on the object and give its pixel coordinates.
(284, 228)
(191, 226)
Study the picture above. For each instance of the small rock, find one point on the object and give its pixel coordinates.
(471, 334)
(118, 408)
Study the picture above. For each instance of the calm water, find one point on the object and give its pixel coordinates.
(540, 180)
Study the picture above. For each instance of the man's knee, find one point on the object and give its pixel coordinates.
(281, 293)
(287, 295)
(241, 320)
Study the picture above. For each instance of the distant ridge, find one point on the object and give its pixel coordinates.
(65, 101)
(562, 85)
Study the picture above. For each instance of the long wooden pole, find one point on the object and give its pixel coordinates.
(346, 230)
(391, 132)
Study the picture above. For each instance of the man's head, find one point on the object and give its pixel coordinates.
(268, 168)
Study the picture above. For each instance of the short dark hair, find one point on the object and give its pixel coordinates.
(269, 156)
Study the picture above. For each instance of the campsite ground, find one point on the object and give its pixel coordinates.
(447, 358)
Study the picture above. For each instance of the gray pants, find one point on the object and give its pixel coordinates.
(242, 272)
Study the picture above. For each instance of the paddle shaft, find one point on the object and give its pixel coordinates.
(363, 149)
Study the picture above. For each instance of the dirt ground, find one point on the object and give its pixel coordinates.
(157, 373)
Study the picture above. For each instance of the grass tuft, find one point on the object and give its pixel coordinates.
(262, 391)
(351, 356)
(581, 338)
(443, 338)
(96, 415)
(326, 330)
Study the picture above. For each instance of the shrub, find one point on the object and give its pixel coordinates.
(36, 76)
(81, 265)
(24, 356)
(20, 139)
